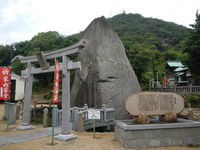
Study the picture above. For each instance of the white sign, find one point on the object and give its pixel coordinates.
(93, 114)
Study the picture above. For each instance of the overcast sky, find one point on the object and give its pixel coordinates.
(20, 20)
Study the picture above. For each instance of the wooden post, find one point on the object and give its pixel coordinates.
(162, 88)
(175, 90)
(93, 128)
(190, 88)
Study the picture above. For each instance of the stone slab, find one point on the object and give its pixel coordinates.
(154, 103)
(27, 136)
(131, 135)
(24, 127)
(67, 137)
(21, 137)
(4, 141)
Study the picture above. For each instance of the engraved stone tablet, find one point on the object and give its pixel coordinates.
(154, 103)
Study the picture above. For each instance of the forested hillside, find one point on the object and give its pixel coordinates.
(149, 43)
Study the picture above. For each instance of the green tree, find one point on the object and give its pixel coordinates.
(194, 49)
(46, 41)
(146, 61)
(6, 53)
(173, 54)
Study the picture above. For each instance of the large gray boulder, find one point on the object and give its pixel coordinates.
(106, 76)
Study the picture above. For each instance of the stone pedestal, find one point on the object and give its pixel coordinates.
(157, 134)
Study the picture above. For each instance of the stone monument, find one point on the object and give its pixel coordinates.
(106, 76)
(157, 133)
(167, 105)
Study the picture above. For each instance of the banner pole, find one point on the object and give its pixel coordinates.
(55, 98)
(7, 128)
(53, 123)
(8, 115)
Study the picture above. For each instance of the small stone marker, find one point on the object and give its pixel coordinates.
(154, 103)
(81, 121)
(18, 110)
(45, 117)
(190, 112)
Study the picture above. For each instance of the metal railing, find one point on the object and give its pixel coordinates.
(79, 117)
(179, 89)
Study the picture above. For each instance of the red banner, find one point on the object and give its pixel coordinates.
(56, 82)
(5, 83)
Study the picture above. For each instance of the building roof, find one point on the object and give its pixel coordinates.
(180, 69)
(175, 64)
(179, 73)
(17, 76)
(182, 82)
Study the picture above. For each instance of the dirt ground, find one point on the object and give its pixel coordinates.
(12, 128)
(84, 141)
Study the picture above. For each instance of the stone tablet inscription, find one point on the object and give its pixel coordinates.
(147, 103)
(166, 102)
(154, 103)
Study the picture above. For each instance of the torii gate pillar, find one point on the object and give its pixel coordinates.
(65, 124)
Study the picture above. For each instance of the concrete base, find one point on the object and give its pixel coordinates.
(67, 137)
(157, 134)
(28, 127)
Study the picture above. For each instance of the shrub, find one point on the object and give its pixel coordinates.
(193, 99)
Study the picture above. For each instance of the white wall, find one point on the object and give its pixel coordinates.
(19, 89)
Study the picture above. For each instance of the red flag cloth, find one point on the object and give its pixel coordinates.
(5, 83)
(56, 82)
(164, 80)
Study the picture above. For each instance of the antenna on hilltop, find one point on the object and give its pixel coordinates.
(124, 12)
(14, 48)
(110, 13)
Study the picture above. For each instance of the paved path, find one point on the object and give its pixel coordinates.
(21, 137)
